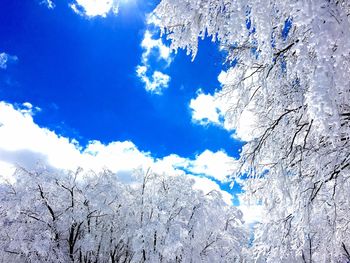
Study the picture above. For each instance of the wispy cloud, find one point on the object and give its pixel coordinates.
(5, 59)
(49, 3)
(149, 44)
(155, 81)
(24, 143)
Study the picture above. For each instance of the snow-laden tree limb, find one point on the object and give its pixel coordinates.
(290, 68)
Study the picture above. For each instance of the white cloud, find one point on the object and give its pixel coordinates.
(157, 81)
(154, 84)
(149, 44)
(6, 170)
(206, 185)
(5, 59)
(217, 165)
(207, 109)
(116, 156)
(49, 3)
(225, 77)
(20, 136)
(24, 143)
(92, 8)
(28, 108)
(213, 109)
(171, 164)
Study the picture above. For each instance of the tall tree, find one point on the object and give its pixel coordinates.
(289, 71)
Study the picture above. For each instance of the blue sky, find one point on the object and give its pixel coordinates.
(79, 75)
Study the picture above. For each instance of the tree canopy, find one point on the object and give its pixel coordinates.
(86, 217)
(289, 68)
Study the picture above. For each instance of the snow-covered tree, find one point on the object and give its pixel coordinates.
(86, 217)
(289, 68)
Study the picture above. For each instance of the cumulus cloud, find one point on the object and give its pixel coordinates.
(24, 143)
(5, 59)
(207, 108)
(92, 8)
(19, 133)
(155, 81)
(212, 109)
(217, 165)
(206, 186)
(20, 137)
